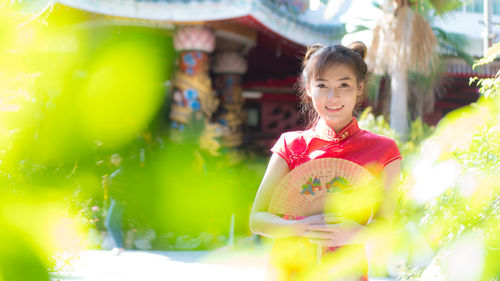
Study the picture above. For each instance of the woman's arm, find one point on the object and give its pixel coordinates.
(264, 223)
(391, 179)
(350, 232)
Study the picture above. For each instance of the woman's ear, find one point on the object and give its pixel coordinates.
(361, 87)
(308, 90)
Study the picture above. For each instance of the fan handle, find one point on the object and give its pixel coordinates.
(319, 253)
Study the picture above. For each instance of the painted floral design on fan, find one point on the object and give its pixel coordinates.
(292, 218)
(311, 186)
(338, 184)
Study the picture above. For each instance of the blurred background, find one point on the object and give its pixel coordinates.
(171, 107)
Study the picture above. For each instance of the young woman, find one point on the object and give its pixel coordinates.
(332, 81)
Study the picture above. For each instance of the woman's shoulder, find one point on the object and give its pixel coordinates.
(383, 148)
(294, 135)
(296, 138)
(376, 138)
(292, 143)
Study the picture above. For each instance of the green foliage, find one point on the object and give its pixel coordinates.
(17, 255)
(453, 42)
(63, 263)
(488, 86)
(377, 125)
(70, 98)
(203, 190)
(470, 137)
(440, 7)
(483, 151)
(48, 158)
(419, 131)
(491, 54)
(406, 273)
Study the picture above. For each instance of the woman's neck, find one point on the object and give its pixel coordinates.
(338, 126)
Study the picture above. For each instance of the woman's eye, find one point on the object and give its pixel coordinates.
(344, 85)
(321, 86)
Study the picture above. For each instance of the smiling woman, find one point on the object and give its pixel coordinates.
(334, 95)
(334, 89)
(331, 82)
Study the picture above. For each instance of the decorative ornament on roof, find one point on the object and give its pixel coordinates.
(295, 7)
(290, 19)
(200, 38)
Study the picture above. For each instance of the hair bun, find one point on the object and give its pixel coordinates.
(359, 47)
(311, 50)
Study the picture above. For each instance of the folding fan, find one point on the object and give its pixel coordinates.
(327, 185)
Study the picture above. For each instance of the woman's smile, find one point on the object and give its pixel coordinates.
(333, 94)
(334, 108)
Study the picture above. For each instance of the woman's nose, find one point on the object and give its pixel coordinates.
(332, 94)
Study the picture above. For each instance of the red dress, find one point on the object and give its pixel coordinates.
(367, 149)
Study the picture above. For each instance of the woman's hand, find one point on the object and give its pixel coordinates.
(335, 231)
(302, 224)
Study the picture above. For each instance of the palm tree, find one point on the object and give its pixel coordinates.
(403, 42)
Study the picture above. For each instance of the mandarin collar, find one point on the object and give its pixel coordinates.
(326, 133)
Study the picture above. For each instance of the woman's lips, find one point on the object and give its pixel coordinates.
(333, 109)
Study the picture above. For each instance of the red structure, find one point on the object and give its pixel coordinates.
(272, 37)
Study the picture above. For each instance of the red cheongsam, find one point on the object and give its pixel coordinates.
(367, 149)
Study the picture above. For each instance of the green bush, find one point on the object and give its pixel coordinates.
(469, 209)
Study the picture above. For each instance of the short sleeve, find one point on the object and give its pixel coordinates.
(391, 152)
(281, 148)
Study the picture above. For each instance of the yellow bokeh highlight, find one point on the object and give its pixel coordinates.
(122, 94)
(44, 221)
(65, 233)
(35, 67)
(358, 203)
(466, 259)
(58, 96)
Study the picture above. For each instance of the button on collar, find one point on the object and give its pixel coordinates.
(326, 133)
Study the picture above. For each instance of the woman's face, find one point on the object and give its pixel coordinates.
(334, 95)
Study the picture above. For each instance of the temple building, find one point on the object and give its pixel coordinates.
(239, 60)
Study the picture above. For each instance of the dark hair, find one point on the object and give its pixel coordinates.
(317, 60)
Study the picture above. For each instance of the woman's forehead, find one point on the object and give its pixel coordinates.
(335, 71)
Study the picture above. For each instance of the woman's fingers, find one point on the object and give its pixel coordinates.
(315, 219)
(323, 227)
(333, 218)
(319, 234)
(325, 218)
(327, 235)
(330, 218)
